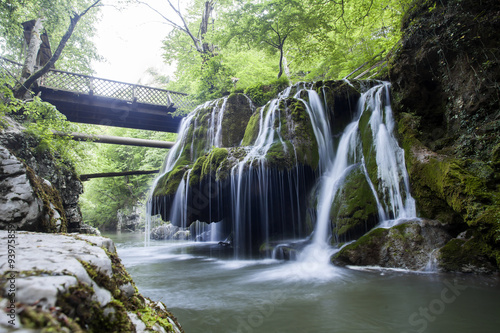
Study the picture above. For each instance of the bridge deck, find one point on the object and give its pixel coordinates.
(99, 110)
(91, 100)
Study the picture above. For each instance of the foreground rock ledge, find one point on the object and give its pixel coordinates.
(72, 283)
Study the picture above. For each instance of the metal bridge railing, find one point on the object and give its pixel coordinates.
(10, 68)
(85, 84)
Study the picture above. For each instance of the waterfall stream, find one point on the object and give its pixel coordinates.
(390, 165)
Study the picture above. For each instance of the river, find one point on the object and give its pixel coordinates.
(210, 293)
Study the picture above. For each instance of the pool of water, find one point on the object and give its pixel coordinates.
(210, 293)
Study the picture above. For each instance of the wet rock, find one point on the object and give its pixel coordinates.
(166, 231)
(408, 245)
(181, 235)
(128, 220)
(88, 229)
(447, 110)
(52, 181)
(354, 210)
(466, 254)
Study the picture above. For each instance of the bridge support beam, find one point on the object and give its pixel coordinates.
(86, 177)
(117, 140)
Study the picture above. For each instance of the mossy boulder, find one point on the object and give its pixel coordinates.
(169, 182)
(252, 129)
(354, 210)
(467, 254)
(209, 165)
(297, 143)
(238, 110)
(408, 245)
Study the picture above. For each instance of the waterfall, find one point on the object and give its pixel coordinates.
(392, 175)
(259, 202)
(252, 172)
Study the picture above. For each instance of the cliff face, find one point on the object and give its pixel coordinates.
(446, 96)
(37, 192)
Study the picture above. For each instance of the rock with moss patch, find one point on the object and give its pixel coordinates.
(408, 245)
(77, 284)
(466, 254)
(54, 181)
(28, 202)
(354, 210)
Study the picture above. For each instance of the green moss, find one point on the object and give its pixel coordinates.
(261, 93)
(169, 183)
(363, 244)
(280, 156)
(252, 129)
(117, 320)
(234, 123)
(32, 318)
(471, 255)
(150, 317)
(301, 133)
(369, 152)
(208, 164)
(50, 198)
(405, 233)
(354, 208)
(196, 170)
(78, 305)
(466, 193)
(213, 161)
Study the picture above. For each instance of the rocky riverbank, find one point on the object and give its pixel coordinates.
(72, 283)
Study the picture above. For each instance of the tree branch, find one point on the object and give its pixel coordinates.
(196, 41)
(172, 23)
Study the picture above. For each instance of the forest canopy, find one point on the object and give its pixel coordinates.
(250, 42)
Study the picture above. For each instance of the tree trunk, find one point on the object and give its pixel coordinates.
(281, 62)
(205, 21)
(116, 140)
(20, 90)
(32, 52)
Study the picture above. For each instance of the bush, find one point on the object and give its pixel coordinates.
(261, 93)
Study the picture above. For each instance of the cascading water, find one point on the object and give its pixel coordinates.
(392, 175)
(265, 195)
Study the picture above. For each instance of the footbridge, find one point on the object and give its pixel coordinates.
(91, 100)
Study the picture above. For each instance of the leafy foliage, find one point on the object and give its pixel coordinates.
(40, 119)
(306, 40)
(103, 197)
(261, 93)
(79, 51)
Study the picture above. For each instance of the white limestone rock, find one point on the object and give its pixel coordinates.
(18, 203)
(48, 265)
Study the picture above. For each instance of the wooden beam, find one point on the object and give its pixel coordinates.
(116, 140)
(116, 174)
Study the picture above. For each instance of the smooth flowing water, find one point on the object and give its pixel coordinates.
(210, 294)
